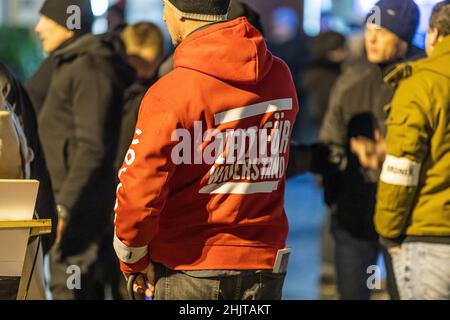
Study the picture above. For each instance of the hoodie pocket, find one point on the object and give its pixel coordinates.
(407, 136)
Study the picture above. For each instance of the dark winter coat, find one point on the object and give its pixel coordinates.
(356, 109)
(78, 126)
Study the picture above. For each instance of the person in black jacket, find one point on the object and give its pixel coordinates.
(144, 43)
(38, 85)
(328, 52)
(78, 125)
(356, 109)
(12, 92)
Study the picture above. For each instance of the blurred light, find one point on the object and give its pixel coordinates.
(285, 24)
(312, 17)
(146, 10)
(327, 5)
(99, 7)
(100, 26)
(286, 16)
(364, 6)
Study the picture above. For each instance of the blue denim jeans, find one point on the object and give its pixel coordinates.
(422, 271)
(352, 258)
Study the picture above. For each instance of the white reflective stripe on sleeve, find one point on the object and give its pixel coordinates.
(128, 254)
(400, 172)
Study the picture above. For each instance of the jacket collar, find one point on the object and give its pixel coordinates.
(442, 48)
(406, 70)
(73, 45)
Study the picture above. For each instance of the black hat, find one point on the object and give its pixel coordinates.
(203, 10)
(61, 12)
(400, 17)
(321, 45)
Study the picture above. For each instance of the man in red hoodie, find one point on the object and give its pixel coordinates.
(200, 204)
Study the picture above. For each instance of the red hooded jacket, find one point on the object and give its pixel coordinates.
(175, 205)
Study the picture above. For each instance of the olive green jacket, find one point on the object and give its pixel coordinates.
(414, 190)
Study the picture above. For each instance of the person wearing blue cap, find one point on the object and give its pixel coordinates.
(357, 109)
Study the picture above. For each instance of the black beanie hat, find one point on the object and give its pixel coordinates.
(57, 11)
(203, 10)
(321, 45)
(399, 16)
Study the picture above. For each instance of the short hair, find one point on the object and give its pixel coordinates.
(440, 18)
(144, 35)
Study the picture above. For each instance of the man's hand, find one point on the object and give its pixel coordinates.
(63, 213)
(394, 250)
(60, 229)
(145, 283)
(371, 154)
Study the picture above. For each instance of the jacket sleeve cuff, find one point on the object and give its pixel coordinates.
(135, 267)
(132, 259)
(391, 242)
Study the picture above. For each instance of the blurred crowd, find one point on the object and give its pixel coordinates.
(380, 115)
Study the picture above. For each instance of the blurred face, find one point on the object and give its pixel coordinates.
(144, 68)
(431, 41)
(114, 20)
(144, 61)
(383, 46)
(52, 34)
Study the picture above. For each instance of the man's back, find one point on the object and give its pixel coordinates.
(196, 206)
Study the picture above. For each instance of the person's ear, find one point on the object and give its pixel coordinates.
(440, 37)
(434, 36)
(403, 48)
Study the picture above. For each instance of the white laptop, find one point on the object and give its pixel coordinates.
(17, 202)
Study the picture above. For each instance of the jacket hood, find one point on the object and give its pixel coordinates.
(233, 51)
(438, 62)
(100, 45)
(103, 47)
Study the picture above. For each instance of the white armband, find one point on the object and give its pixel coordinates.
(400, 172)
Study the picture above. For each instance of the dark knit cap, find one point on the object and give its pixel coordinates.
(204, 10)
(321, 45)
(58, 11)
(399, 16)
